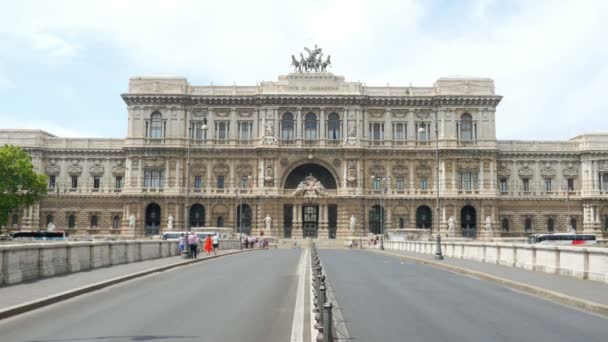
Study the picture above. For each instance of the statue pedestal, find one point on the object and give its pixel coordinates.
(486, 234)
(409, 234)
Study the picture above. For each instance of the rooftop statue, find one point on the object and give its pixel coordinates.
(314, 61)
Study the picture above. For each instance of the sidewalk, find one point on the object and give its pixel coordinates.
(587, 290)
(44, 287)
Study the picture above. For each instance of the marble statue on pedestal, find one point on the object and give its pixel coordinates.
(170, 222)
(132, 221)
(268, 223)
(488, 223)
(353, 223)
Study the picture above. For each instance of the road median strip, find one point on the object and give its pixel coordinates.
(42, 302)
(558, 297)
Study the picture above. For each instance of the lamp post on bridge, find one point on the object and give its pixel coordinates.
(422, 129)
(383, 188)
(187, 207)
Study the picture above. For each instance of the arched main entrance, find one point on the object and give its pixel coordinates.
(300, 173)
(152, 224)
(468, 219)
(243, 219)
(197, 216)
(424, 217)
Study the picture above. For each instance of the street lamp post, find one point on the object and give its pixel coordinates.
(384, 189)
(422, 129)
(239, 197)
(187, 207)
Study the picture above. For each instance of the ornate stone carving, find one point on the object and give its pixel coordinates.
(400, 170)
(525, 171)
(314, 61)
(154, 163)
(74, 169)
(221, 169)
(268, 173)
(547, 170)
(503, 170)
(337, 162)
(311, 188)
(96, 169)
(423, 169)
(284, 161)
(604, 166)
(118, 169)
(244, 169)
(377, 170)
(52, 168)
(570, 170)
(351, 176)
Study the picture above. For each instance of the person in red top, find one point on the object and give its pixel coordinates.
(208, 245)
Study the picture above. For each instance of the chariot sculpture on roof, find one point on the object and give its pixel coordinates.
(314, 61)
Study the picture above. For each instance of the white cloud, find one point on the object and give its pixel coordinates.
(546, 56)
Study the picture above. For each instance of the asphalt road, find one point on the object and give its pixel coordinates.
(246, 297)
(386, 299)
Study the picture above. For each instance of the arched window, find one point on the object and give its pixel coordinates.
(220, 221)
(71, 221)
(550, 224)
(94, 221)
(116, 222)
(528, 224)
(156, 125)
(15, 221)
(197, 216)
(333, 127)
(505, 224)
(466, 127)
(310, 126)
(49, 219)
(401, 223)
(573, 223)
(424, 218)
(287, 127)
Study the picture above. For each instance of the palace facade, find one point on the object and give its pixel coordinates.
(306, 154)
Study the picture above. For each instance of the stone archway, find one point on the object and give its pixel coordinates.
(468, 221)
(320, 172)
(197, 215)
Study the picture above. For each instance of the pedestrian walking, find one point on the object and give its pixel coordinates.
(182, 244)
(246, 241)
(193, 244)
(208, 245)
(215, 239)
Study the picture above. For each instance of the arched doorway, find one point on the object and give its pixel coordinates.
(243, 219)
(376, 219)
(468, 221)
(152, 224)
(197, 216)
(424, 217)
(300, 173)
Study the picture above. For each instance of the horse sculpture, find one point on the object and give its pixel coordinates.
(314, 61)
(325, 64)
(297, 67)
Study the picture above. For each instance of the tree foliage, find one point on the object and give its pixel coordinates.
(19, 183)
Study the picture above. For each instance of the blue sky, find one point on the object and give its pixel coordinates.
(64, 64)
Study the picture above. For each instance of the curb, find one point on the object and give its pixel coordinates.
(557, 297)
(42, 302)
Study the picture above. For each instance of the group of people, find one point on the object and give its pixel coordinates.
(192, 242)
(251, 242)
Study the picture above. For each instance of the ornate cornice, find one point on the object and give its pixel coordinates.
(304, 100)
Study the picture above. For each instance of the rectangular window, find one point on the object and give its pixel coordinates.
(399, 131)
(244, 182)
(154, 179)
(52, 182)
(570, 184)
(503, 185)
(118, 182)
(198, 182)
(245, 129)
(548, 184)
(376, 131)
(400, 184)
(377, 183)
(526, 183)
(74, 182)
(604, 182)
(423, 184)
(199, 132)
(222, 130)
(220, 182)
(423, 131)
(467, 181)
(96, 182)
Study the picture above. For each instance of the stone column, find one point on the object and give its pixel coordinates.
(454, 184)
(299, 123)
(388, 129)
(411, 171)
(322, 134)
(140, 174)
(233, 126)
(481, 178)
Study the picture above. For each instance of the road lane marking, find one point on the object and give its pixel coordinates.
(297, 326)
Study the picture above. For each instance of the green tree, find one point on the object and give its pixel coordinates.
(19, 183)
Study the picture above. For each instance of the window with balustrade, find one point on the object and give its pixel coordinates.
(310, 126)
(198, 182)
(548, 184)
(94, 221)
(570, 184)
(604, 181)
(287, 127)
(424, 185)
(466, 128)
(71, 221)
(52, 182)
(96, 182)
(333, 127)
(220, 182)
(199, 131)
(376, 131)
(423, 131)
(400, 184)
(74, 182)
(526, 184)
(118, 182)
(245, 131)
(222, 130)
(503, 185)
(399, 131)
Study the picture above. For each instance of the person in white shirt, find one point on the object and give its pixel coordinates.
(215, 239)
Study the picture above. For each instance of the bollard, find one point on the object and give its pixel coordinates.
(320, 337)
(327, 323)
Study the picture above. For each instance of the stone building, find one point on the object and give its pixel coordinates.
(310, 151)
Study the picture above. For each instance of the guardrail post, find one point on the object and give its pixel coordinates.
(327, 323)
